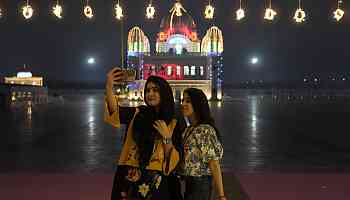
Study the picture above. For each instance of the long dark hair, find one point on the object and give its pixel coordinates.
(201, 108)
(144, 133)
(167, 105)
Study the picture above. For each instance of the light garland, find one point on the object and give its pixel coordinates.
(339, 13)
(57, 10)
(150, 11)
(209, 11)
(176, 10)
(240, 14)
(270, 13)
(88, 12)
(299, 15)
(27, 10)
(118, 11)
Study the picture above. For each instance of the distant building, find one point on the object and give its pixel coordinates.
(23, 88)
(24, 78)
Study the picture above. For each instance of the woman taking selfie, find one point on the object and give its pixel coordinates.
(152, 144)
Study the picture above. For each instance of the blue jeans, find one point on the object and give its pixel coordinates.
(198, 188)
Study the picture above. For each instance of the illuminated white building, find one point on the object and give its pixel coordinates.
(24, 78)
(180, 56)
(22, 89)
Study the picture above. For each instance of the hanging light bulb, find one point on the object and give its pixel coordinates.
(299, 15)
(57, 10)
(339, 13)
(270, 13)
(177, 9)
(88, 12)
(0, 13)
(27, 11)
(209, 11)
(118, 11)
(150, 11)
(240, 14)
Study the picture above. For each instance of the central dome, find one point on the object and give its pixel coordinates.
(178, 21)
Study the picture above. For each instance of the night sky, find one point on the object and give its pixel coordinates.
(59, 49)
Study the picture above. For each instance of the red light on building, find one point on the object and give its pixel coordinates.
(194, 36)
(166, 71)
(162, 36)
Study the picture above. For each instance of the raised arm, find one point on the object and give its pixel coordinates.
(113, 77)
(114, 114)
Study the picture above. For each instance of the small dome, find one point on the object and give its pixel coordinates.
(24, 75)
(213, 42)
(137, 41)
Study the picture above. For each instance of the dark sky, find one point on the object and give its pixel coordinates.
(58, 49)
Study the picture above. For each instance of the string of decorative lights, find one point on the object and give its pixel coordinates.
(300, 15)
(57, 10)
(27, 10)
(209, 11)
(339, 13)
(269, 12)
(240, 13)
(150, 10)
(88, 12)
(118, 11)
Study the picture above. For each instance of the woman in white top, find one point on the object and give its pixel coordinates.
(202, 148)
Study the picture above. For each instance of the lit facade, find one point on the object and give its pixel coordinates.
(23, 88)
(24, 78)
(180, 56)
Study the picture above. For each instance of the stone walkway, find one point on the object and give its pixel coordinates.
(96, 186)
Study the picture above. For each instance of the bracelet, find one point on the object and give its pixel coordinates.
(167, 141)
(222, 196)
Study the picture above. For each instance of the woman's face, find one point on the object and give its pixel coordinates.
(186, 106)
(152, 94)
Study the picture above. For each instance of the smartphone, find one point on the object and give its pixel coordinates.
(129, 75)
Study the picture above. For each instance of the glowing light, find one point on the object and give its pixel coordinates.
(0, 13)
(27, 11)
(24, 75)
(213, 41)
(57, 10)
(270, 13)
(118, 11)
(150, 11)
(88, 12)
(137, 41)
(209, 12)
(299, 15)
(194, 36)
(176, 10)
(240, 14)
(178, 48)
(339, 13)
(254, 60)
(91, 61)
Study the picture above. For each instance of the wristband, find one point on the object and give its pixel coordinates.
(167, 141)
